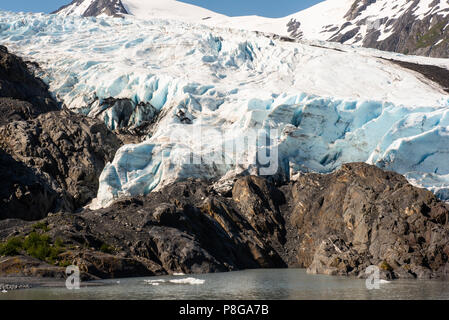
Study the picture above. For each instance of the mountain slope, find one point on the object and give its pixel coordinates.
(142, 9)
(405, 26)
(93, 8)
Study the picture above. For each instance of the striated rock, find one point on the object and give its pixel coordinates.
(258, 201)
(335, 257)
(69, 152)
(29, 267)
(25, 266)
(377, 217)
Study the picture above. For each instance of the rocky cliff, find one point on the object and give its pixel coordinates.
(337, 224)
(50, 159)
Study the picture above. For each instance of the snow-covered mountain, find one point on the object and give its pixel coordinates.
(203, 88)
(93, 8)
(146, 9)
(405, 26)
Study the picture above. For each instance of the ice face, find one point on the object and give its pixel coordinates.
(228, 100)
(313, 134)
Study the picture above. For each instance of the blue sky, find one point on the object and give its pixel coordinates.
(267, 8)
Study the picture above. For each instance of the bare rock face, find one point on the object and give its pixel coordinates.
(334, 257)
(360, 216)
(183, 228)
(24, 266)
(427, 36)
(67, 149)
(50, 159)
(407, 31)
(22, 95)
(258, 201)
(336, 224)
(24, 193)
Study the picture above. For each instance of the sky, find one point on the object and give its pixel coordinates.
(266, 8)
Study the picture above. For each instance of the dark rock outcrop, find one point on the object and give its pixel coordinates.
(50, 159)
(359, 216)
(25, 266)
(434, 73)
(427, 36)
(258, 202)
(337, 224)
(22, 95)
(409, 34)
(24, 193)
(184, 228)
(68, 149)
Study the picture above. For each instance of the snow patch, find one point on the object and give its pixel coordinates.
(183, 281)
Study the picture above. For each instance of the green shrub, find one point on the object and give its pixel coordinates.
(59, 242)
(35, 245)
(385, 266)
(106, 248)
(64, 263)
(39, 246)
(40, 226)
(12, 247)
(431, 36)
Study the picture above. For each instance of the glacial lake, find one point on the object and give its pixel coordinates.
(247, 285)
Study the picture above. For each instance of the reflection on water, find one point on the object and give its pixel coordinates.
(249, 284)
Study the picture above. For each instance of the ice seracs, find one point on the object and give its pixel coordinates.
(318, 104)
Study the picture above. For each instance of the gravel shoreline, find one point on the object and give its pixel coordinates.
(10, 287)
(20, 283)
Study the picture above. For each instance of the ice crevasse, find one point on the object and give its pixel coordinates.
(207, 88)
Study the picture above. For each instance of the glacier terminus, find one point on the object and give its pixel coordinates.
(318, 104)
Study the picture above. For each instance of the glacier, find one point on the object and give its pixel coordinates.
(213, 92)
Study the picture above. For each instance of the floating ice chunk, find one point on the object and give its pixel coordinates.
(156, 282)
(192, 281)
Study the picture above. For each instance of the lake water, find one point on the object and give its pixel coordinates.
(247, 285)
